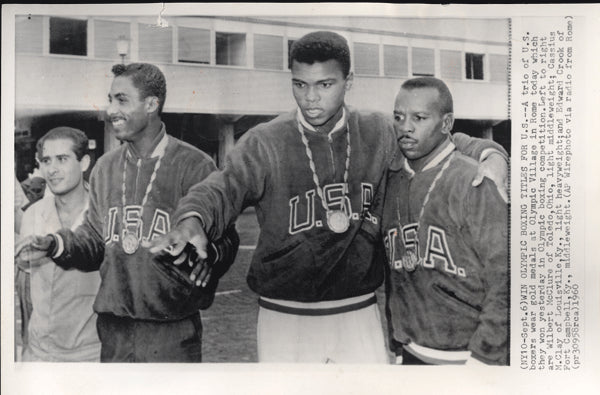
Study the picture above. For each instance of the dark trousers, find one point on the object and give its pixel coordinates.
(128, 340)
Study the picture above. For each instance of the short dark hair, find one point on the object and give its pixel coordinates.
(79, 139)
(321, 46)
(445, 102)
(147, 78)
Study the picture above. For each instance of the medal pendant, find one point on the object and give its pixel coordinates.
(410, 261)
(130, 243)
(338, 221)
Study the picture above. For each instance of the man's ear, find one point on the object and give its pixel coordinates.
(349, 80)
(447, 122)
(152, 104)
(84, 163)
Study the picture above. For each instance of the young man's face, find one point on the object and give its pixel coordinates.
(60, 167)
(319, 89)
(419, 122)
(128, 113)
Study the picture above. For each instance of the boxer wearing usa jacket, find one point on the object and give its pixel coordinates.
(147, 308)
(446, 241)
(312, 175)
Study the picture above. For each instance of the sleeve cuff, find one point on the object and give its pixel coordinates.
(489, 152)
(60, 246)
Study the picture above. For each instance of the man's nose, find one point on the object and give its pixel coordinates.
(111, 109)
(312, 94)
(52, 166)
(49, 168)
(404, 126)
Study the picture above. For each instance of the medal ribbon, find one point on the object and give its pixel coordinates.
(148, 188)
(313, 168)
(431, 188)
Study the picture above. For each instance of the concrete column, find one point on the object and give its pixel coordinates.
(487, 133)
(226, 142)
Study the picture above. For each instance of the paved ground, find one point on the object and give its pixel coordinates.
(230, 323)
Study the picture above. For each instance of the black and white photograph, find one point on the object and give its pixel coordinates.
(328, 194)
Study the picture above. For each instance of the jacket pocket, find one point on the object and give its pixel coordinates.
(455, 300)
(173, 284)
(283, 273)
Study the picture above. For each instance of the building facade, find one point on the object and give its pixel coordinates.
(226, 74)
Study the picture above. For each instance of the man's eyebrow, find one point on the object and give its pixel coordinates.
(326, 80)
(117, 95)
(318, 82)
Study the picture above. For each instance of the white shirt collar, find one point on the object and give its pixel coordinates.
(340, 124)
(434, 161)
(49, 210)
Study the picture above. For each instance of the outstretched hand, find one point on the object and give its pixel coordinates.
(495, 168)
(174, 243)
(30, 250)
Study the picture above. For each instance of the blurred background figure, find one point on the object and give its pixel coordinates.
(34, 187)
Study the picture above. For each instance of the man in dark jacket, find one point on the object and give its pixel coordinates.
(147, 308)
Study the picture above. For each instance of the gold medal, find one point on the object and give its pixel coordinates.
(410, 261)
(338, 221)
(130, 243)
(130, 240)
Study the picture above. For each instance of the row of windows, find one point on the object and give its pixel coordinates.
(69, 37)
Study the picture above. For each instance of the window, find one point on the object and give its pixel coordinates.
(28, 34)
(474, 66)
(106, 34)
(68, 36)
(366, 59)
(499, 68)
(194, 45)
(268, 52)
(450, 64)
(231, 49)
(423, 62)
(290, 43)
(395, 61)
(155, 43)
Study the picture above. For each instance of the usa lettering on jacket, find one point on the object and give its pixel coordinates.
(302, 208)
(160, 225)
(437, 253)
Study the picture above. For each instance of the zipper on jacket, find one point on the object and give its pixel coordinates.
(410, 216)
(137, 176)
(330, 141)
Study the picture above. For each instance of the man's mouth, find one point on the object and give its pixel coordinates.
(313, 112)
(407, 142)
(55, 180)
(117, 122)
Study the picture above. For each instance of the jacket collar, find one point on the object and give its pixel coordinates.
(159, 150)
(433, 162)
(339, 125)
